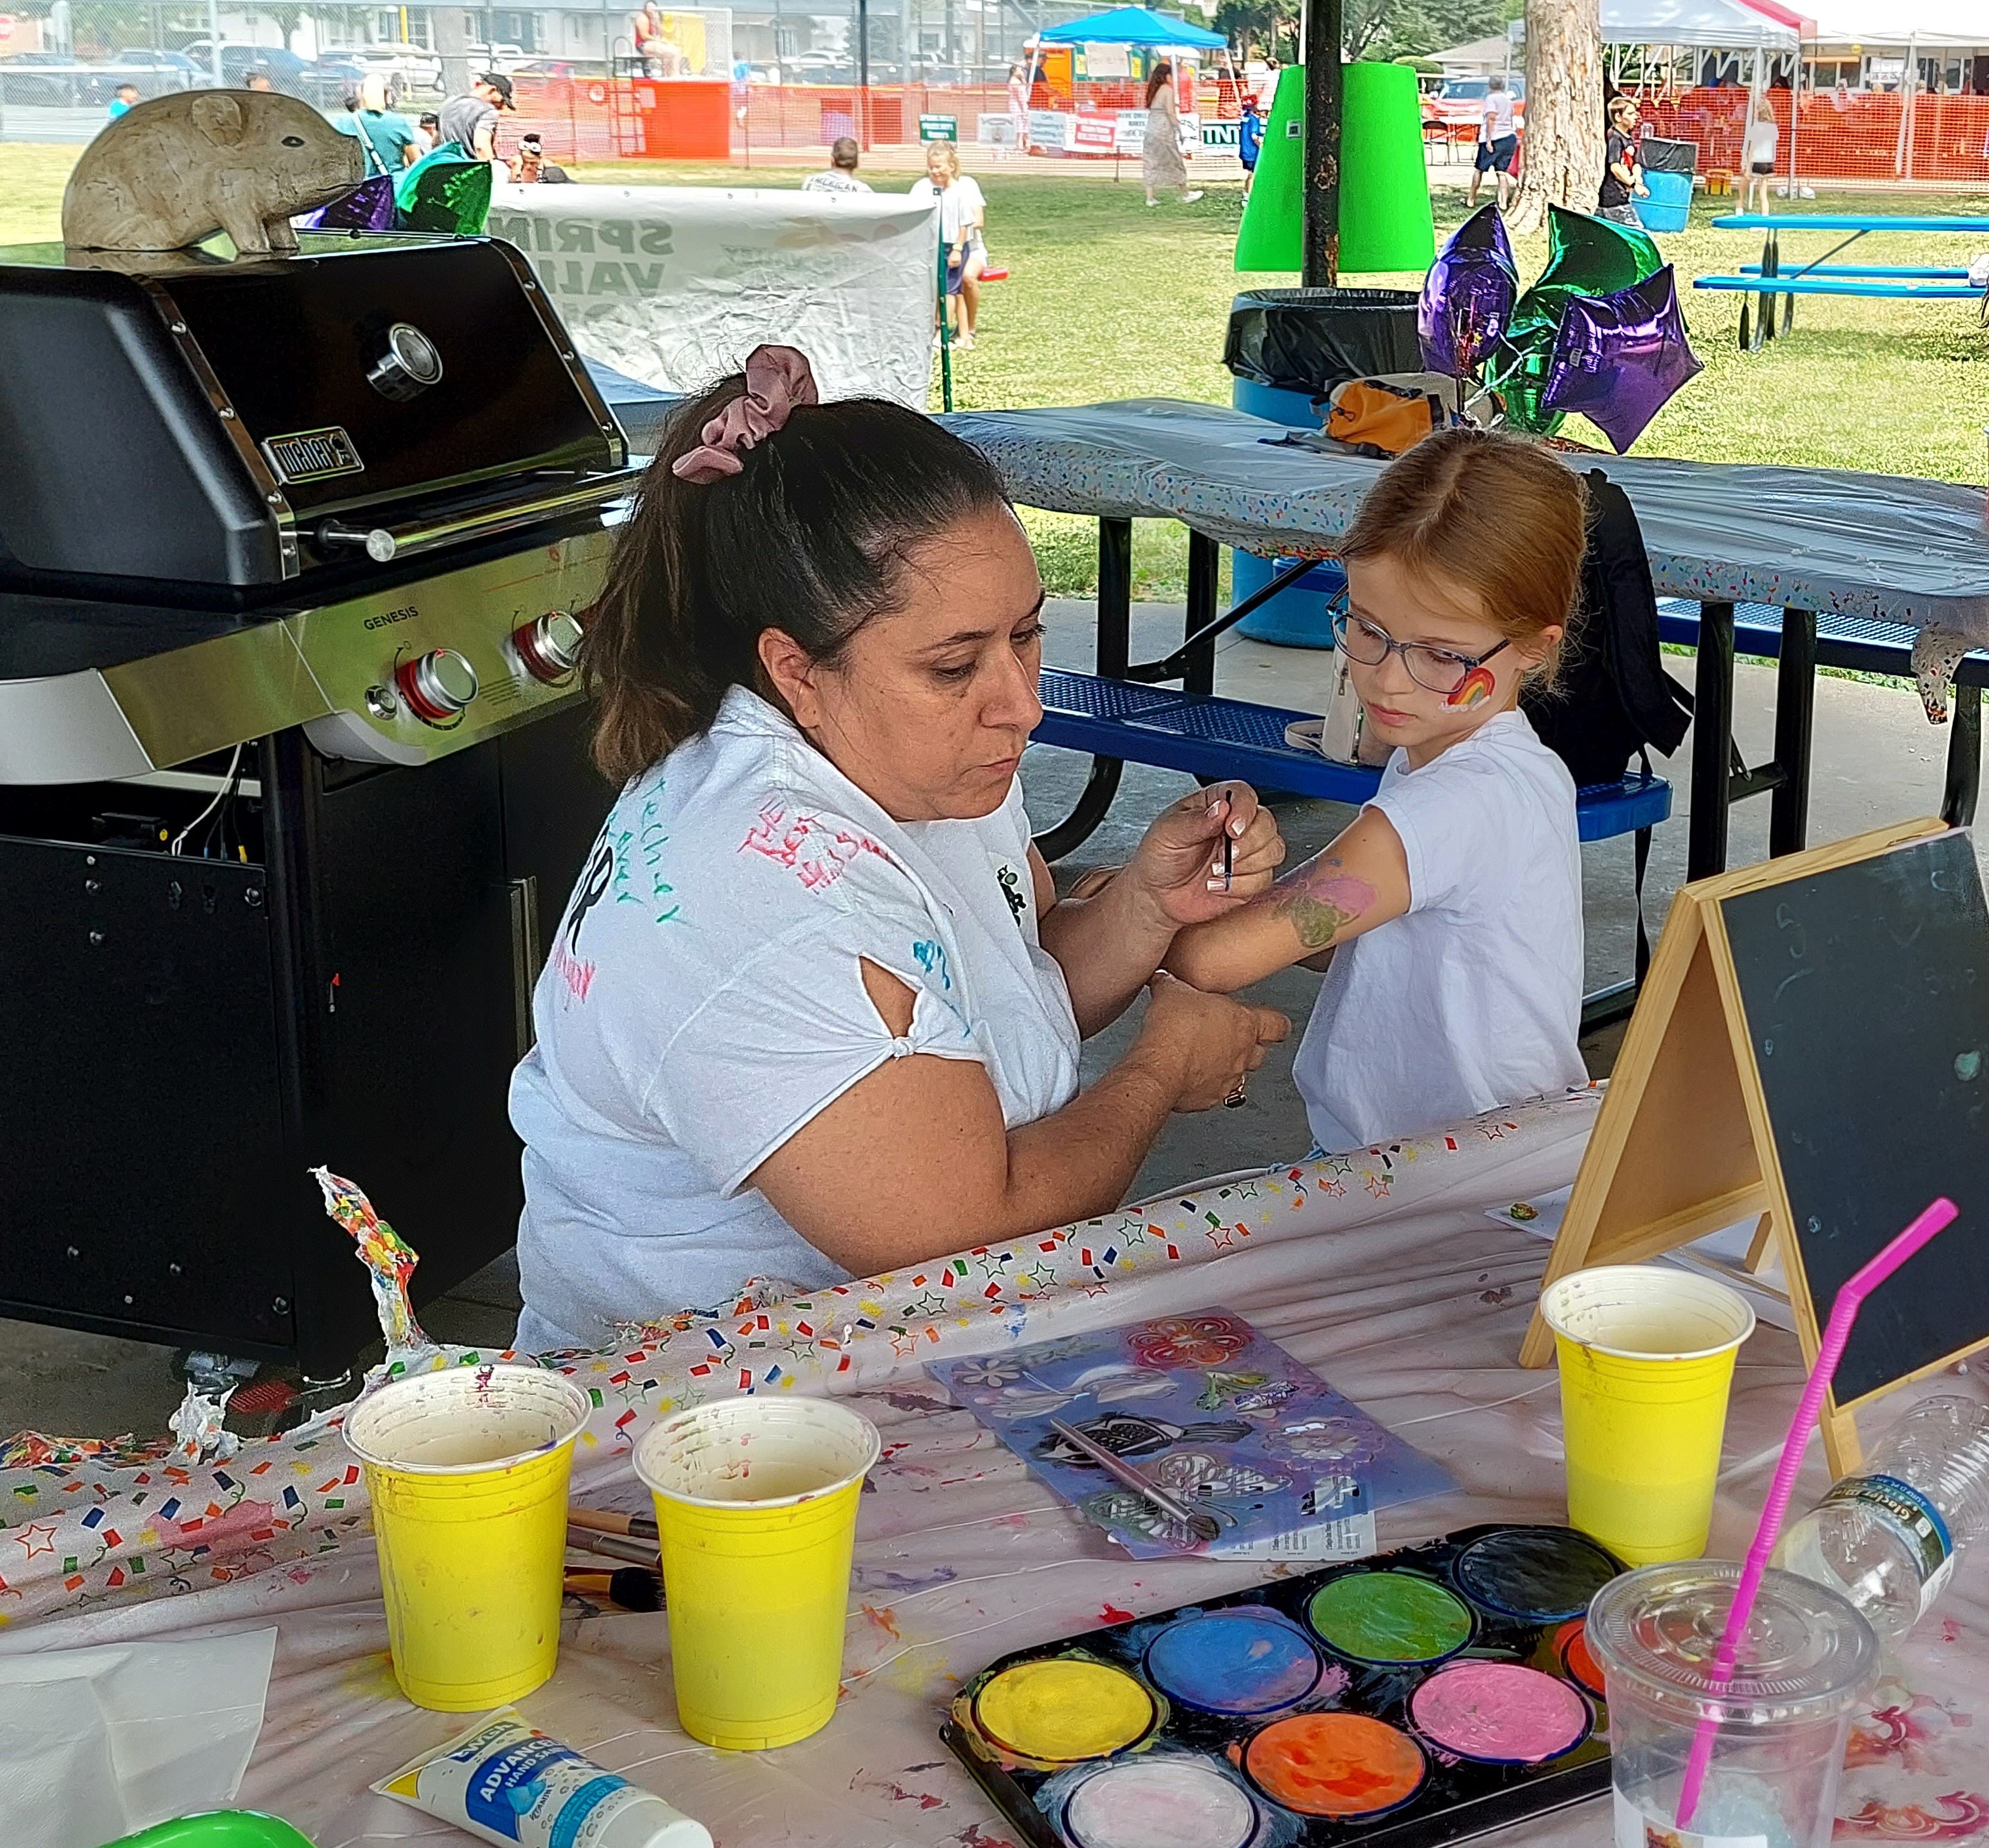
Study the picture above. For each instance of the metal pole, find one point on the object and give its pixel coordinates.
(1323, 89)
(213, 41)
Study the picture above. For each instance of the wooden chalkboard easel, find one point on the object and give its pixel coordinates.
(1810, 1047)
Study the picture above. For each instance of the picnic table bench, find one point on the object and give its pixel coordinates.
(1766, 281)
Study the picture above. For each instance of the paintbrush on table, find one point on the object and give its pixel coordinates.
(612, 1546)
(629, 1587)
(1203, 1526)
(612, 1521)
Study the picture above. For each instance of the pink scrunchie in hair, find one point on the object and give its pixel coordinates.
(777, 379)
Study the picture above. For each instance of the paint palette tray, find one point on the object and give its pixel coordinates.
(1410, 1699)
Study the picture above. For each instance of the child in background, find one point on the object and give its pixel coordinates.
(1758, 155)
(1451, 910)
(1249, 139)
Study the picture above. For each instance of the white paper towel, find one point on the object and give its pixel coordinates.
(98, 1743)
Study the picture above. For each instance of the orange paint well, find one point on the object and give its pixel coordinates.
(1334, 1764)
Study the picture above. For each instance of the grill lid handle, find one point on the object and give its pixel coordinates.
(382, 544)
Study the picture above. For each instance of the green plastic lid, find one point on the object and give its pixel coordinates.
(217, 1829)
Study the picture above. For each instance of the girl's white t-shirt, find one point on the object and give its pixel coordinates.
(1472, 997)
(703, 1000)
(960, 205)
(1762, 139)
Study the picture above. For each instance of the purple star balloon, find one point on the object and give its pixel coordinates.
(1468, 296)
(1619, 357)
(369, 206)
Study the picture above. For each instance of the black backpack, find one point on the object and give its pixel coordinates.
(1614, 700)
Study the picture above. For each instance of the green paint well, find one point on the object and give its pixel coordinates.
(1389, 1617)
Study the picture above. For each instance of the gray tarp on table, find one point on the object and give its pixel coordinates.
(1886, 547)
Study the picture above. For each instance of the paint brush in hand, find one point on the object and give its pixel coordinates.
(612, 1521)
(1203, 1526)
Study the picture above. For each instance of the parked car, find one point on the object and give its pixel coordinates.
(284, 69)
(155, 73)
(1460, 104)
(502, 57)
(404, 66)
(53, 79)
(338, 74)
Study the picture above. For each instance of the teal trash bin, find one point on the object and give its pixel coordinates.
(1670, 203)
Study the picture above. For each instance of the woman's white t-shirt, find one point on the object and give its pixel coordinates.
(962, 205)
(703, 1000)
(1472, 997)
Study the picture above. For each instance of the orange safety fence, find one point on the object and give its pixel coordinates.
(1849, 135)
(607, 119)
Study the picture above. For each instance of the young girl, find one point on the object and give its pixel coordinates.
(1451, 910)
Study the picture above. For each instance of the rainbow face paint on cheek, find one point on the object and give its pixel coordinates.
(1474, 689)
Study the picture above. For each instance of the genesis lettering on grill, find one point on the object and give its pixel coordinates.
(313, 455)
(392, 615)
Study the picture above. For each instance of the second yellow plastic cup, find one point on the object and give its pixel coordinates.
(467, 1469)
(756, 1503)
(1646, 1361)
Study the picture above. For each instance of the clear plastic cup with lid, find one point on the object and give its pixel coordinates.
(1806, 1663)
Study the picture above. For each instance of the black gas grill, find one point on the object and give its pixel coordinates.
(292, 781)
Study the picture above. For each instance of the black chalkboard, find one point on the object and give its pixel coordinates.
(1866, 992)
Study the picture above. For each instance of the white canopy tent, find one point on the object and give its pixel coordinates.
(1932, 24)
(1700, 24)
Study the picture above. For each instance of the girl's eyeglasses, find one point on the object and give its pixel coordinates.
(1440, 670)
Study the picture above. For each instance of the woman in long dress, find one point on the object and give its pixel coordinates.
(1160, 155)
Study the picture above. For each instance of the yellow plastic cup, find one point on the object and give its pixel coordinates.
(756, 1505)
(1646, 1361)
(467, 1469)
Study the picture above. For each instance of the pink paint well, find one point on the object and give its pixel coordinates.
(1499, 1713)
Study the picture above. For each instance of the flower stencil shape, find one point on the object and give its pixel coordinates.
(1190, 1341)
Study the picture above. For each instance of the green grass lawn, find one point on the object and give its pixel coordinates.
(1108, 299)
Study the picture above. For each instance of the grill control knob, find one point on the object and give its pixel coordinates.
(549, 645)
(406, 365)
(437, 686)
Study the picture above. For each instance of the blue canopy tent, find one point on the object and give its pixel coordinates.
(1134, 26)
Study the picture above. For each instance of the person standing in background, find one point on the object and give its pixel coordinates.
(963, 214)
(1622, 175)
(1249, 139)
(472, 120)
(1160, 162)
(388, 140)
(428, 132)
(120, 104)
(1018, 107)
(841, 176)
(1267, 85)
(1758, 155)
(1498, 141)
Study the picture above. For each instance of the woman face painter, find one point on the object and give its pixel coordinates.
(814, 1008)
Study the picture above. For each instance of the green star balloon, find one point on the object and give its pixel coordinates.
(446, 191)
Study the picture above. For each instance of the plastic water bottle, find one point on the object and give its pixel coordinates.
(1887, 1536)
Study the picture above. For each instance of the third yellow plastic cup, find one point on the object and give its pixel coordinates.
(467, 1469)
(1646, 1361)
(756, 1502)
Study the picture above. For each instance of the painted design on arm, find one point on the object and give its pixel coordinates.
(1320, 900)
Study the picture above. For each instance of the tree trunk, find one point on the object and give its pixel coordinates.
(1563, 148)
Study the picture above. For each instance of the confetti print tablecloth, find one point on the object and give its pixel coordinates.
(1381, 1271)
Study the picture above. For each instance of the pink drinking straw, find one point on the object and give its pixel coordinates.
(1837, 1332)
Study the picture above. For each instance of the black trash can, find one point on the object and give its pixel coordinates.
(1660, 155)
(1308, 340)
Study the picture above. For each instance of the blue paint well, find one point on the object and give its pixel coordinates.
(1245, 1659)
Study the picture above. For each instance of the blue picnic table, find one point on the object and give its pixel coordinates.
(1767, 280)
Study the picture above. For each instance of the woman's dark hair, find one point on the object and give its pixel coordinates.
(809, 537)
(1161, 75)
